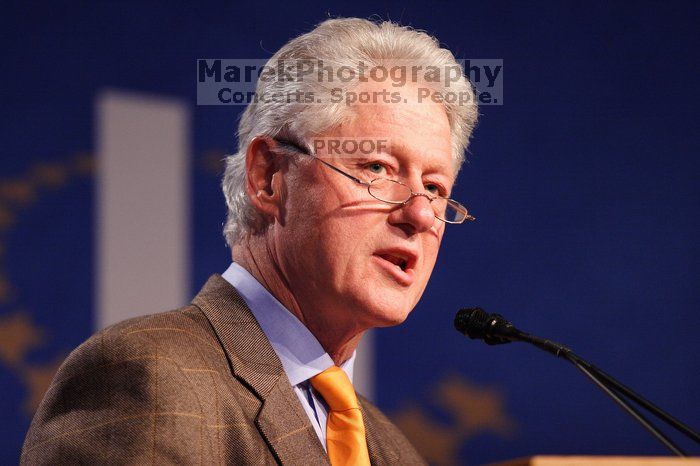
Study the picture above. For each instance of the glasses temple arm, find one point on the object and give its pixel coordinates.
(305, 151)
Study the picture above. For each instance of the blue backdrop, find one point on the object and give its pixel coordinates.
(585, 185)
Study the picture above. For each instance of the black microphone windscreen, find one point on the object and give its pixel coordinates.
(478, 324)
(472, 322)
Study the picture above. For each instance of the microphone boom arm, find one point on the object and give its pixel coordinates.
(494, 329)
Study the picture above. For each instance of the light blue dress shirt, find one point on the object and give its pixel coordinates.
(301, 354)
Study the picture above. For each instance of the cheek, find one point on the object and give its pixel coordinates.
(439, 230)
(322, 244)
(431, 246)
(303, 208)
(344, 242)
(437, 240)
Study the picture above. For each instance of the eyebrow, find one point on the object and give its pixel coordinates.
(430, 167)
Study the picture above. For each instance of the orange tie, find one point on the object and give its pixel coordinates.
(345, 431)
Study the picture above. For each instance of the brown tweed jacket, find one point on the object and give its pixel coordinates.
(200, 385)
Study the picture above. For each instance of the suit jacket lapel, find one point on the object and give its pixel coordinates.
(281, 419)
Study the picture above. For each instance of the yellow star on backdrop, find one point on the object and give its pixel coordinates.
(20, 192)
(50, 174)
(472, 409)
(475, 409)
(38, 378)
(437, 443)
(18, 336)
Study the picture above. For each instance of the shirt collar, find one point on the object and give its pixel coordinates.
(301, 354)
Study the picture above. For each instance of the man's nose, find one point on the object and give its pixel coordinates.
(415, 216)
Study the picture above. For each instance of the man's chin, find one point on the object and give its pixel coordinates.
(389, 317)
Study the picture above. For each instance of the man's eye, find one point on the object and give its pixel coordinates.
(376, 168)
(434, 189)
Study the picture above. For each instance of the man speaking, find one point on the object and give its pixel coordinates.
(328, 240)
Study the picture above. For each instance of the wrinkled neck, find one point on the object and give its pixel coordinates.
(260, 259)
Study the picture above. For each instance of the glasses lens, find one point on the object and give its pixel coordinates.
(441, 208)
(448, 210)
(389, 191)
(395, 192)
(454, 212)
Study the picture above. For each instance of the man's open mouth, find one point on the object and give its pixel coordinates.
(397, 261)
(403, 259)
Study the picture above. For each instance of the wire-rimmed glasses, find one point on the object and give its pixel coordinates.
(395, 192)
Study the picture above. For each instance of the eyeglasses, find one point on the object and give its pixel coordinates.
(395, 192)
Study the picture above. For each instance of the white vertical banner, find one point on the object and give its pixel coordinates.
(142, 211)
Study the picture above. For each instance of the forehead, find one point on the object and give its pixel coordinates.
(415, 129)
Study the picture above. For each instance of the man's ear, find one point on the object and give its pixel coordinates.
(264, 177)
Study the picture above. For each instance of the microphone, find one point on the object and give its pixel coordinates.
(477, 324)
(494, 329)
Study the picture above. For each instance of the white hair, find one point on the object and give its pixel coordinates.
(337, 42)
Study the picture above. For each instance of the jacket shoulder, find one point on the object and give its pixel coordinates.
(183, 335)
(115, 390)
